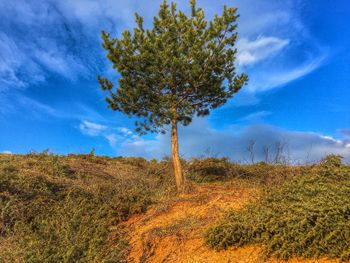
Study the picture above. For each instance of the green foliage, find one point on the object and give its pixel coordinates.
(221, 169)
(67, 209)
(182, 66)
(332, 161)
(209, 170)
(47, 216)
(309, 216)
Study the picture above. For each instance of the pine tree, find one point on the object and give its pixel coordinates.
(182, 67)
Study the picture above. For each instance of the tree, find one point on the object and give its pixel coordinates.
(182, 67)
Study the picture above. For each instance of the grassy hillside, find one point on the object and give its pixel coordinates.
(308, 216)
(70, 208)
(63, 209)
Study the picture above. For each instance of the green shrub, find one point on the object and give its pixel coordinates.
(47, 214)
(332, 161)
(209, 170)
(309, 216)
(221, 169)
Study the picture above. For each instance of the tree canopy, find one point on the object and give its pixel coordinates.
(181, 68)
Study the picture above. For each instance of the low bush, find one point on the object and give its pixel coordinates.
(63, 209)
(209, 170)
(309, 216)
(221, 169)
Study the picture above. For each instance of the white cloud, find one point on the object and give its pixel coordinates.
(251, 52)
(196, 139)
(115, 136)
(267, 79)
(125, 131)
(12, 60)
(59, 63)
(296, 73)
(330, 138)
(91, 128)
(112, 139)
(6, 152)
(63, 38)
(123, 135)
(38, 38)
(115, 14)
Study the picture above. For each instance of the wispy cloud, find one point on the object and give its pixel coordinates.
(276, 80)
(36, 107)
(14, 61)
(44, 39)
(39, 39)
(125, 131)
(256, 116)
(114, 135)
(251, 52)
(56, 62)
(16, 103)
(63, 37)
(268, 79)
(275, 47)
(91, 128)
(112, 139)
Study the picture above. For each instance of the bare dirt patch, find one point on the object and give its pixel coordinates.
(173, 231)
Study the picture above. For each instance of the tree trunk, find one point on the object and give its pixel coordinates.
(179, 178)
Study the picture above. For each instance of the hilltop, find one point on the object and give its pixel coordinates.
(86, 208)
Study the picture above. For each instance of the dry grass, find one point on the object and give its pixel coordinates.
(60, 209)
(98, 209)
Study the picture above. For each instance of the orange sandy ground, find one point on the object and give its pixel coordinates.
(173, 231)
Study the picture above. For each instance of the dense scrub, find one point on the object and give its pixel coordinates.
(68, 208)
(63, 209)
(221, 169)
(309, 216)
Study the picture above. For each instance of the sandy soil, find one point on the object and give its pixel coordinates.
(173, 231)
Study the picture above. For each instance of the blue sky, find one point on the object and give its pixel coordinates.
(296, 54)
